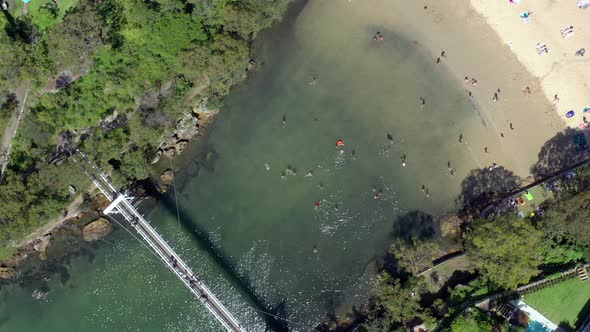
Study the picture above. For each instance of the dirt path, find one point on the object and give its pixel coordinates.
(10, 133)
(73, 209)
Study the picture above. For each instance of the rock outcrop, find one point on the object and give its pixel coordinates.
(97, 229)
(186, 128)
(99, 202)
(42, 244)
(167, 177)
(7, 272)
(451, 225)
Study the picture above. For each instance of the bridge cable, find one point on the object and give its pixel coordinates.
(138, 239)
(283, 318)
(175, 193)
(261, 311)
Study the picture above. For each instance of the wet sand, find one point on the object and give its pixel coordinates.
(473, 49)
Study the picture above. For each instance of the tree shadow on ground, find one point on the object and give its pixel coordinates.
(583, 314)
(482, 186)
(565, 325)
(559, 153)
(414, 224)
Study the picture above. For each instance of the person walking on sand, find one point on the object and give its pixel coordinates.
(437, 61)
(511, 127)
(485, 149)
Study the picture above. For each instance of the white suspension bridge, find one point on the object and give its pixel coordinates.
(122, 204)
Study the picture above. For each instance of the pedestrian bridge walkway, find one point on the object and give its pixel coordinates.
(122, 204)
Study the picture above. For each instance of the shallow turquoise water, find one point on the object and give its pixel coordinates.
(537, 327)
(308, 261)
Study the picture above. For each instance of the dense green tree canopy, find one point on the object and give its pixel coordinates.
(416, 256)
(506, 250)
(113, 77)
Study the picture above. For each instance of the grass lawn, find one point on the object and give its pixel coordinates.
(39, 14)
(438, 275)
(563, 303)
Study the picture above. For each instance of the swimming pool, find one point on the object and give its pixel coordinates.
(535, 326)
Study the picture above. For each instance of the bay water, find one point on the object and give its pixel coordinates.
(252, 224)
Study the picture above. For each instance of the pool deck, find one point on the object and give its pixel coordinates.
(535, 315)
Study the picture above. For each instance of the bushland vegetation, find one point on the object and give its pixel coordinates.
(88, 63)
(504, 252)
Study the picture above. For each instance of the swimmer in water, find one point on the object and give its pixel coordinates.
(310, 173)
(353, 152)
(321, 185)
(378, 194)
(267, 166)
(422, 101)
(390, 137)
(423, 188)
(427, 194)
(403, 158)
(461, 138)
(314, 81)
(284, 119)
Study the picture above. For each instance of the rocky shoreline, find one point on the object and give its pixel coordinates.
(186, 128)
(86, 226)
(90, 224)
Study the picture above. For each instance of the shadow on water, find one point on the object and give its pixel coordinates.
(280, 35)
(201, 238)
(414, 225)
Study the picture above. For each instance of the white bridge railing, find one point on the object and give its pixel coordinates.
(121, 204)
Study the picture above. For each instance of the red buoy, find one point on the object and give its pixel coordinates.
(339, 142)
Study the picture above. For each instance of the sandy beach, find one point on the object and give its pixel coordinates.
(561, 72)
(474, 36)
